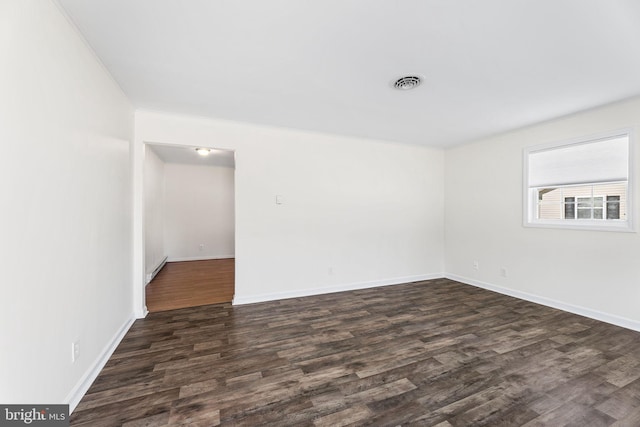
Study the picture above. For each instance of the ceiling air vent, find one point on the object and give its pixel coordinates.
(407, 82)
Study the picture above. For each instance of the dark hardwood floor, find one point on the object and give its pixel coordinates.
(191, 283)
(434, 353)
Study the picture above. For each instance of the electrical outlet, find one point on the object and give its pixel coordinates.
(201, 247)
(503, 272)
(476, 265)
(75, 351)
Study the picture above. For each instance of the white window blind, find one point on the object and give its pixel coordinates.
(604, 160)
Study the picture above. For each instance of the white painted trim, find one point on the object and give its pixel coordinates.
(575, 309)
(156, 270)
(138, 284)
(199, 258)
(585, 225)
(81, 388)
(251, 299)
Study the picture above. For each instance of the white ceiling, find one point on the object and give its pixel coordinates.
(327, 65)
(189, 156)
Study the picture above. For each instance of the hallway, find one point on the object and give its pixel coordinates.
(191, 283)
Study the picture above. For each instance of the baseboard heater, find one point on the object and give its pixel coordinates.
(153, 274)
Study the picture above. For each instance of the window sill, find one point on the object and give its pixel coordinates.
(611, 225)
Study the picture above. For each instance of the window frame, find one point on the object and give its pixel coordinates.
(530, 202)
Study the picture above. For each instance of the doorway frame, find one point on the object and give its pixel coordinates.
(138, 155)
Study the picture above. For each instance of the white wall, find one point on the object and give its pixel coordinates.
(592, 272)
(154, 210)
(199, 211)
(65, 222)
(356, 212)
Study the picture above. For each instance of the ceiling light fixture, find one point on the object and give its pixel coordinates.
(203, 151)
(407, 82)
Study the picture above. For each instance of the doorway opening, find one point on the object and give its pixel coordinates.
(189, 226)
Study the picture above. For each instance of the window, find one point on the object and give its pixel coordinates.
(587, 207)
(613, 207)
(590, 207)
(569, 207)
(579, 184)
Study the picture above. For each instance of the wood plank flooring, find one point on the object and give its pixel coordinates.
(434, 353)
(191, 284)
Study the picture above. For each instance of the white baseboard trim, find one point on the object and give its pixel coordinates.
(141, 313)
(156, 270)
(199, 258)
(575, 309)
(252, 299)
(81, 388)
